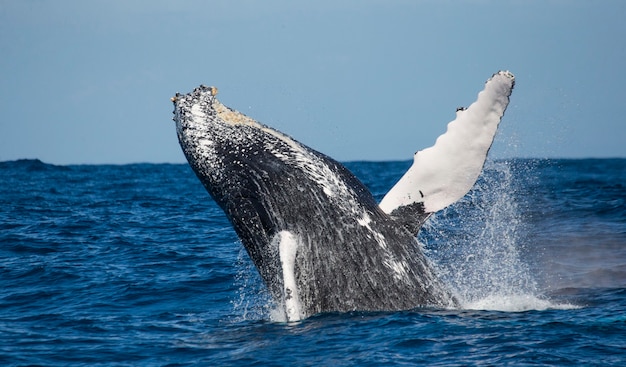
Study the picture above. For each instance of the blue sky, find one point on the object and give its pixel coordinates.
(91, 81)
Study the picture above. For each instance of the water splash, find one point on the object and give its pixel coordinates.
(516, 303)
(254, 301)
(476, 246)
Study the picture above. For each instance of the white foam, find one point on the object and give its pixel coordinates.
(515, 303)
(277, 314)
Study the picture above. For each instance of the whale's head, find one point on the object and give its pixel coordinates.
(211, 134)
(227, 149)
(190, 108)
(200, 113)
(200, 108)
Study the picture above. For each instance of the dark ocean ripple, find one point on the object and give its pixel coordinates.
(135, 265)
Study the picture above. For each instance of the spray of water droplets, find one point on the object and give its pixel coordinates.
(254, 301)
(476, 246)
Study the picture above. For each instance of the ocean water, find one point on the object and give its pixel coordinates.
(134, 265)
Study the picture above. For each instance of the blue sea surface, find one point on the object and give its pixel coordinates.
(135, 265)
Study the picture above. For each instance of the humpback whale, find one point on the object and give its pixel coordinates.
(318, 238)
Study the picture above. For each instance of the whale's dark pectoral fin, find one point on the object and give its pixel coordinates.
(411, 216)
(444, 173)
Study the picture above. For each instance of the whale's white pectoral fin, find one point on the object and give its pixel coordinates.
(444, 173)
(287, 244)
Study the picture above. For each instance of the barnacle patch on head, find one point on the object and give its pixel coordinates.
(196, 93)
(202, 103)
(233, 117)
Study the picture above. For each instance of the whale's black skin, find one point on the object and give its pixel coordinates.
(263, 181)
(313, 230)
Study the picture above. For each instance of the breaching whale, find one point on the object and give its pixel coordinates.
(317, 236)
